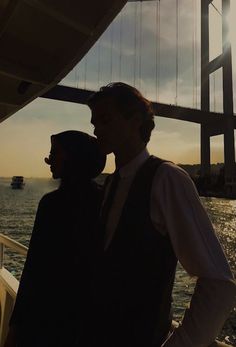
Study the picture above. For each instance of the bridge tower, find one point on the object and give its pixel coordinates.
(208, 67)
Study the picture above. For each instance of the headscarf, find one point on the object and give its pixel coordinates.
(83, 153)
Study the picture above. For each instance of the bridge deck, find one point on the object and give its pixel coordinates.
(214, 121)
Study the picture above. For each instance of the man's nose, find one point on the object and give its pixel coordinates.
(96, 131)
(47, 160)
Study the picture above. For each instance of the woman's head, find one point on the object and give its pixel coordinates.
(74, 153)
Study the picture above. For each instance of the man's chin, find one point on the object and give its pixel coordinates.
(55, 176)
(105, 149)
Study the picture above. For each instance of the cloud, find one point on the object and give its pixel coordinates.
(116, 55)
(98, 69)
(24, 137)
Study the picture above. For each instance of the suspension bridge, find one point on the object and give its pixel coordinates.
(203, 109)
(161, 47)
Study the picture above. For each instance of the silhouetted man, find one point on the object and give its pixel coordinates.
(151, 217)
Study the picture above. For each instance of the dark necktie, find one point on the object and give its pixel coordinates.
(110, 197)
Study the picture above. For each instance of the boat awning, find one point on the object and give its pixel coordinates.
(42, 40)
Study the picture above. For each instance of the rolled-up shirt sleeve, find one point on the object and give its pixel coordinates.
(176, 210)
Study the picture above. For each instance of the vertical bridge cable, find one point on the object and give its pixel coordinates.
(214, 81)
(157, 47)
(85, 71)
(77, 77)
(177, 51)
(121, 34)
(111, 52)
(193, 52)
(135, 41)
(99, 61)
(140, 44)
(196, 52)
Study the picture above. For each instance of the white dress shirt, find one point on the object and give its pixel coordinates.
(176, 210)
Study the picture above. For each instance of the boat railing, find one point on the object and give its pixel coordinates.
(6, 241)
(8, 285)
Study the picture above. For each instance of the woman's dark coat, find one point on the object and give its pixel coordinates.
(52, 304)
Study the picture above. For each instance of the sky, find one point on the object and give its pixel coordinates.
(25, 136)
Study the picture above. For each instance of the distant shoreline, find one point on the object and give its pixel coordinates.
(212, 186)
(192, 169)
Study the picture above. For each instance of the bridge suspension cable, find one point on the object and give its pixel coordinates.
(117, 51)
(177, 52)
(214, 81)
(85, 70)
(194, 53)
(140, 43)
(99, 61)
(135, 41)
(75, 76)
(157, 47)
(197, 52)
(78, 76)
(121, 46)
(111, 51)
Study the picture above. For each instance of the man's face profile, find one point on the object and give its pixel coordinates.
(110, 126)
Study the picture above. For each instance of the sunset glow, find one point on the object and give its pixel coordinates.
(25, 136)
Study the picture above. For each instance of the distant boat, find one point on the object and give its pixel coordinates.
(17, 182)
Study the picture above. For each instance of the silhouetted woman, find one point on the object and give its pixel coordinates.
(52, 302)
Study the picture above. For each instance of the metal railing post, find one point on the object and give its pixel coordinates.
(1, 254)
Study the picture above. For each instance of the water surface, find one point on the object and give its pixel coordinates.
(17, 213)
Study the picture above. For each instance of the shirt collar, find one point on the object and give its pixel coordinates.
(132, 167)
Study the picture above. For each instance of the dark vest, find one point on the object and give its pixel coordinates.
(134, 276)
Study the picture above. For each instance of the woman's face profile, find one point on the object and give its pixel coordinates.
(56, 159)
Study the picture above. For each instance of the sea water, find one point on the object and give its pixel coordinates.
(17, 213)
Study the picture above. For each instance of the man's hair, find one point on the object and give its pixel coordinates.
(128, 101)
